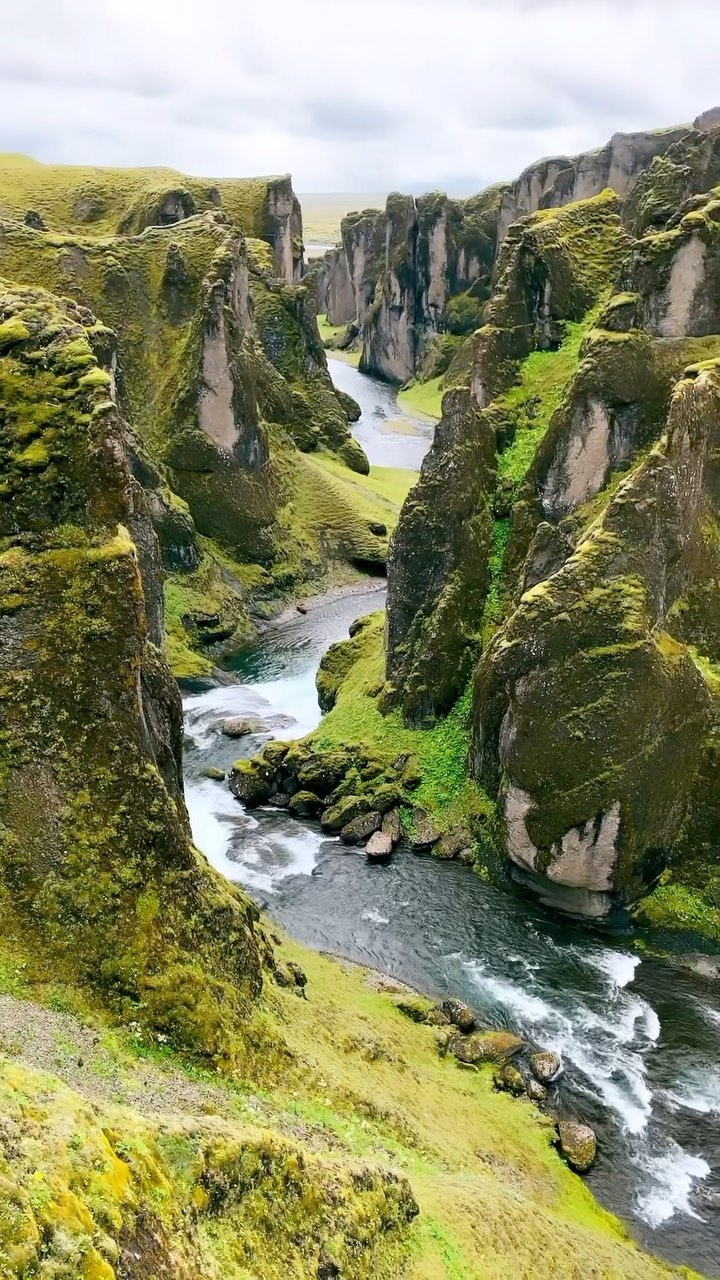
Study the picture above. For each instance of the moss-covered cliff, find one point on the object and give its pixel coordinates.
(596, 376)
(217, 363)
(99, 882)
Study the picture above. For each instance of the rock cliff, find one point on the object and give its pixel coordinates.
(424, 267)
(98, 876)
(218, 365)
(591, 599)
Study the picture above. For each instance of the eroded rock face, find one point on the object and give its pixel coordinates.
(562, 180)
(677, 276)
(438, 573)
(283, 228)
(676, 180)
(595, 797)
(93, 820)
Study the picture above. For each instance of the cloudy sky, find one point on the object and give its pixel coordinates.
(359, 97)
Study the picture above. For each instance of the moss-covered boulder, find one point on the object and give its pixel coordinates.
(578, 1144)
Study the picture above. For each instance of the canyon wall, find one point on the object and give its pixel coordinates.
(423, 268)
(573, 563)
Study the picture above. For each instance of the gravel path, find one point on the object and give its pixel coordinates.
(95, 1065)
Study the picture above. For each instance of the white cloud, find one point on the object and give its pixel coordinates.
(367, 97)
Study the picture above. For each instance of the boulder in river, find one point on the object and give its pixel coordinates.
(215, 775)
(485, 1046)
(392, 826)
(546, 1066)
(578, 1144)
(346, 810)
(460, 1014)
(359, 829)
(509, 1080)
(241, 727)
(251, 783)
(305, 804)
(379, 847)
(536, 1092)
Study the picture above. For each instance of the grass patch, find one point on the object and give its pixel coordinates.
(677, 908)
(390, 484)
(349, 1084)
(495, 601)
(424, 398)
(329, 333)
(542, 381)
(347, 357)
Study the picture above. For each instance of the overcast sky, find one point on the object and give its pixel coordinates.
(361, 97)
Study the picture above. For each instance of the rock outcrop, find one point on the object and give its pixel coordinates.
(98, 876)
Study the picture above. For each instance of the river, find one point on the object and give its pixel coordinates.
(639, 1036)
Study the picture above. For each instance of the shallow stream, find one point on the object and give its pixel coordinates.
(639, 1036)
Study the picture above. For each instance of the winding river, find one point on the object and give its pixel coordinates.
(639, 1036)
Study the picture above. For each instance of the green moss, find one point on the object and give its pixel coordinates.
(677, 909)
(99, 201)
(439, 754)
(11, 331)
(542, 382)
(496, 602)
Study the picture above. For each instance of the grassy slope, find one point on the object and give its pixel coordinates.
(53, 190)
(353, 1084)
(424, 398)
(330, 334)
(329, 508)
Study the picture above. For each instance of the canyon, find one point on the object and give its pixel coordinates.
(531, 716)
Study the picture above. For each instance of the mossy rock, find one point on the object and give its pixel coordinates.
(346, 810)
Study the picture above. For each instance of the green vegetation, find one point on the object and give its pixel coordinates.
(103, 202)
(354, 1122)
(424, 398)
(439, 754)
(542, 382)
(329, 333)
(677, 909)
